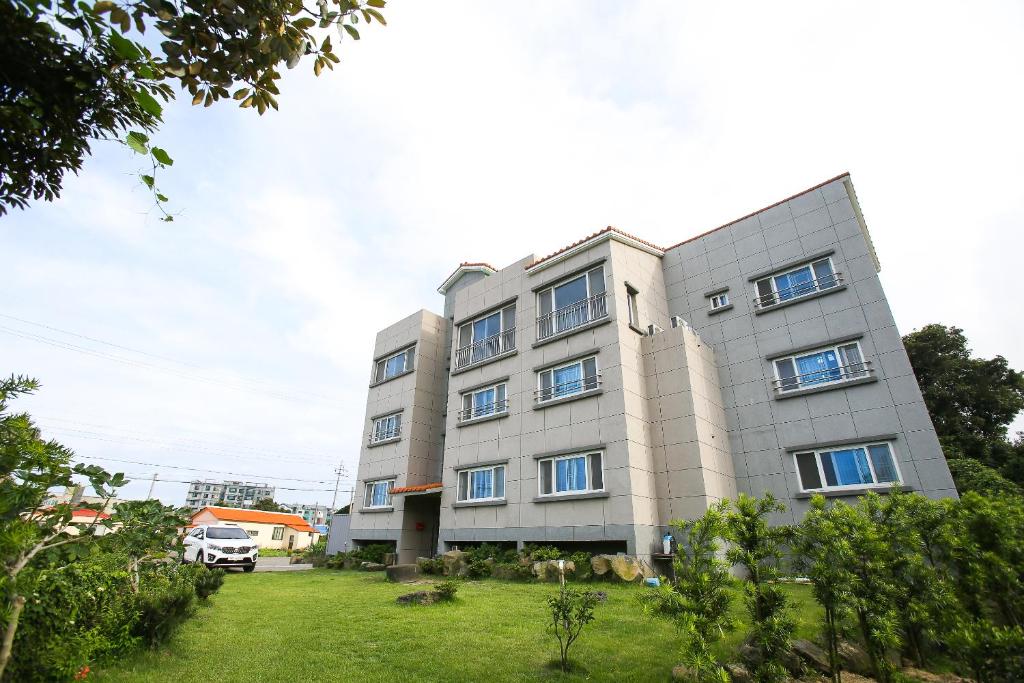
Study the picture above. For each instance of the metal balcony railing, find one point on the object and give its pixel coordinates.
(385, 434)
(817, 378)
(570, 388)
(798, 290)
(495, 408)
(572, 316)
(486, 348)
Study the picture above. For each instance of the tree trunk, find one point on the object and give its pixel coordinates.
(12, 628)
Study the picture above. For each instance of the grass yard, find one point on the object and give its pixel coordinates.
(325, 625)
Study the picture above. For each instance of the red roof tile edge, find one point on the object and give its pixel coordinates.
(609, 229)
(415, 489)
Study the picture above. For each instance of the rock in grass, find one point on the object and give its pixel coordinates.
(371, 567)
(417, 598)
(455, 564)
(815, 657)
(402, 572)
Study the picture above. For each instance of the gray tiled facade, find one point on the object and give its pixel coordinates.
(685, 413)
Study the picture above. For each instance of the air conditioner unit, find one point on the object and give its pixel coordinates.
(679, 322)
(653, 329)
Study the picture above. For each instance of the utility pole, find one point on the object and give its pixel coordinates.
(152, 484)
(338, 471)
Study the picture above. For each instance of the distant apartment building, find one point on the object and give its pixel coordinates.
(590, 397)
(313, 514)
(230, 493)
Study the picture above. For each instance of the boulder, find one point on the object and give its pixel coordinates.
(372, 567)
(620, 568)
(854, 658)
(547, 570)
(417, 598)
(601, 565)
(402, 572)
(739, 673)
(455, 564)
(813, 656)
(296, 559)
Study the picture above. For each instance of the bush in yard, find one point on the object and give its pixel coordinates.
(571, 610)
(373, 552)
(74, 615)
(206, 581)
(993, 654)
(584, 570)
(431, 565)
(540, 553)
(757, 547)
(164, 602)
(698, 600)
(446, 590)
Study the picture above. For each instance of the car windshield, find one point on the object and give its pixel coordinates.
(229, 532)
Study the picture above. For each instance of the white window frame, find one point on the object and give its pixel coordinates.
(368, 493)
(588, 459)
(464, 495)
(587, 383)
(277, 534)
(506, 326)
(388, 432)
(500, 406)
(845, 374)
(632, 307)
(814, 285)
(590, 315)
(719, 301)
(380, 368)
(865, 446)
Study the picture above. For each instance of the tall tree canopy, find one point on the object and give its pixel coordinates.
(73, 72)
(972, 402)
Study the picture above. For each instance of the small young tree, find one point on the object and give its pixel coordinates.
(698, 599)
(148, 532)
(824, 555)
(571, 610)
(29, 468)
(757, 547)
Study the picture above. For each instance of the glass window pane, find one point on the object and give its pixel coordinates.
(463, 485)
(544, 302)
(590, 373)
(881, 459)
(578, 479)
(508, 317)
(851, 466)
(562, 475)
(596, 281)
(766, 296)
(499, 482)
(787, 374)
(545, 385)
(500, 398)
(854, 365)
(823, 273)
(465, 336)
(808, 467)
(828, 469)
(467, 403)
(596, 474)
(545, 476)
(480, 484)
(568, 380)
(571, 292)
(818, 367)
(379, 374)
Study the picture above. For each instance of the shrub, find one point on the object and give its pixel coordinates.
(584, 570)
(164, 602)
(433, 565)
(374, 552)
(540, 553)
(513, 570)
(73, 615)
(446, 590)
(571, 610)
(207, 581)
(318, 548)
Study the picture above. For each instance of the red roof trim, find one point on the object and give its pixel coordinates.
(416, 489)
(752, 213)
(597, 234)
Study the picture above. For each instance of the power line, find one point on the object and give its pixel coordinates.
(198, 469)
(134, 432)
(68, 346)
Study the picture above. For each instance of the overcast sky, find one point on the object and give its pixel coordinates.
(487, 131)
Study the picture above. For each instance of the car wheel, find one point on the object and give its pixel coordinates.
(249, 568)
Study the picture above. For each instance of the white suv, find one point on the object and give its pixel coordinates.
(221, 545)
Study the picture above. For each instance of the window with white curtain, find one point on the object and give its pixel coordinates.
(394, 365)
(387, 427)
(482, 483)
(577, 473)
(826, 365)
(853, 466)
(568, 379)
(484, 402)
(378, 493)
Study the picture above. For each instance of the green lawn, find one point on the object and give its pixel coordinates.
(325, 625)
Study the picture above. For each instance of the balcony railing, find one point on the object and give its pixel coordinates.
(818, 378)
(572, 316)
(798, 290)
(565, 389)
(385, 434)
(487, 347)
(495, 408)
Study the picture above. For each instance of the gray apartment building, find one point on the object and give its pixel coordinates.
(589, 397)
(239, 494)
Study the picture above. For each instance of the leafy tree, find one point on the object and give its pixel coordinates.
(268, 505)
(698, 599)
(571, 610)
(29, 532)
(971, 475)
(75, 72)
(147, 531)
(824, 555)
(757, 547)
(971, 400)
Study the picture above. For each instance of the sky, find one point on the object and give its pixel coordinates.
(238, 339)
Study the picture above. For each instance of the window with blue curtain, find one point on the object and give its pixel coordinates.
(481, 484)
(851, 467)
(379, 495)
(881, 460)
(571, 474)
(795, 283)
(483, 403)
(818, 367)
(568, 380)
